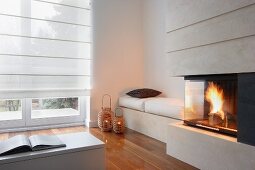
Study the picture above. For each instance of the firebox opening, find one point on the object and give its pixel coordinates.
(211, 102)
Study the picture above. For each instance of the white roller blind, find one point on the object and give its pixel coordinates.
(44, 48)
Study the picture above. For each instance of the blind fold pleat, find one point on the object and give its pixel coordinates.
(44, 48)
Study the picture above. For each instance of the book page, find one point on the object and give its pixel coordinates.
(16, 144)
(39, 142)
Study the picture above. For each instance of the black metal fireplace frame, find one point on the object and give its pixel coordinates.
(245, 104)
(230, 78)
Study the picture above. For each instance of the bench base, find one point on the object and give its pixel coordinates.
(148, 124)
(208, 150)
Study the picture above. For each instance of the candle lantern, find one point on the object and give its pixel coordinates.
(118, 121)
(105, 116)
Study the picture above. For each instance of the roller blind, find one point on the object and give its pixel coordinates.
(44, 48)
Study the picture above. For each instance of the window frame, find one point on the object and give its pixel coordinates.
(55, 120)
(27, 121)
(7, 124)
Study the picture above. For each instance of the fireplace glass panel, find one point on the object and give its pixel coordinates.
(210, 102)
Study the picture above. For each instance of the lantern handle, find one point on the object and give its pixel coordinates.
(110, 99)
(115, 113)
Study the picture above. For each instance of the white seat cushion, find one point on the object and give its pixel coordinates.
(169, 107)
(132, 102)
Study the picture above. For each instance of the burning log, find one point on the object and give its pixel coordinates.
(214, 95)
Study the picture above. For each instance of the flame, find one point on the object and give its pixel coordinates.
(214, 95)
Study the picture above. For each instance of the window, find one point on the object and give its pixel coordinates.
(10, 110)
(44, 60)
(55, 107)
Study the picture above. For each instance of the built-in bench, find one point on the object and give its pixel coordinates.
(151, 116)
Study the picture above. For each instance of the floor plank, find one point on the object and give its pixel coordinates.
(130, 150)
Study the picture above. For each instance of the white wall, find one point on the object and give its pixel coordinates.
(131, 44)
(196, 37)
(117, 48)
(210, 37)
(156, 68)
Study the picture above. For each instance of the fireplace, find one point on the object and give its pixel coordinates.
(211, 102)
(223, 103)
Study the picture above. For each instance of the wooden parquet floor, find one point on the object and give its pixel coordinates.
(130, 150)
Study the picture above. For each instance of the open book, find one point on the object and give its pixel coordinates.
(22, 143)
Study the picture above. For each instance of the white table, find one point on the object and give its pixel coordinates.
(82, 151)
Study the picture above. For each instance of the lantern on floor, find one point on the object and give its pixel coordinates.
(105, 116)
(118, 121)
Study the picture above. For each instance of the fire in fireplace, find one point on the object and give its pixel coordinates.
(211, 102)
